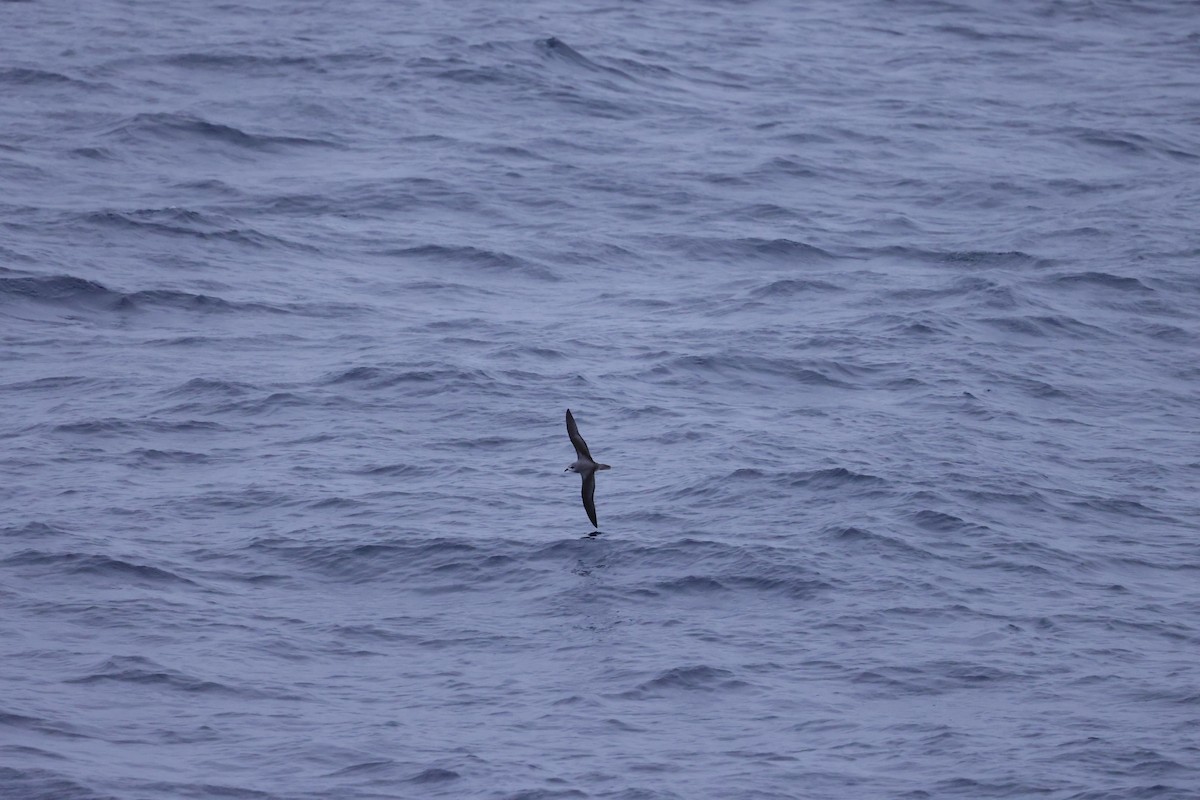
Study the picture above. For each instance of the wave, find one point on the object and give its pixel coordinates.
(743, 367)
(205, 791)
(749, 249)
(73, 293)
(97, 565)
(941, 522)
(1101, 279)
(145, 672)
(60, 383)
(976, 35)
(559, 74)
(695, 679)
(1128, 143)
(1047, 326)
(556, 48)
(433, 775)
(40, 725)
(192, 224)
(250, 498)
(39, 784)
(40, 78)
(9, 255)
(933, 678)
(759, 579)
(729, 490)
(32, 530)
(418, 380)
(117, 425)
(171, 127)
(95, 153)
(455, 562)
(864, 540)
(209, 387)
(240, 63)
(262, 403)
(165, 459)
(791, 287)
(703, 567)
(969, 259)
(833, 478)
(1132, 509)
(394, 471)
(475, 257)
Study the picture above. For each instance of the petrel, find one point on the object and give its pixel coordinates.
(586, 466)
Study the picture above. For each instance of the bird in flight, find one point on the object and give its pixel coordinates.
(586, 466)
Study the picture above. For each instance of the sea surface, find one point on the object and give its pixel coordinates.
(885, 314)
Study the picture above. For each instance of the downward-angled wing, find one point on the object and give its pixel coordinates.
(581, 448)
(589, 497)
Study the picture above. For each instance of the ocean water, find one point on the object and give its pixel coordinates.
(886, 316)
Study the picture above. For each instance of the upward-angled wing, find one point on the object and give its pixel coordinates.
(589, 497)
(581, 449)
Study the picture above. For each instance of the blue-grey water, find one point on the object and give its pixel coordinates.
(886, 316)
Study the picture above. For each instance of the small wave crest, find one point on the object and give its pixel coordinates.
(698, 679)
(740, 250)
(146, 673)
(167, 127)
(182, 222)
(68, 292)
(453, 562)
(97, 565)
(476, 258)
(834, 478)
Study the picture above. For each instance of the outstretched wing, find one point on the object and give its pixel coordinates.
(581, 449)
(589, 497)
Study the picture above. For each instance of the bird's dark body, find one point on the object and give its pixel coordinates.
(586, 466)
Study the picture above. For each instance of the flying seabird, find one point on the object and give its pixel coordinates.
(586, 466)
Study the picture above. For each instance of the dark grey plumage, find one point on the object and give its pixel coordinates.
(586, 466)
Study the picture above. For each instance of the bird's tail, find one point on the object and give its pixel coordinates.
(603, 466)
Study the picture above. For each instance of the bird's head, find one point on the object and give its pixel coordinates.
(570, 468)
